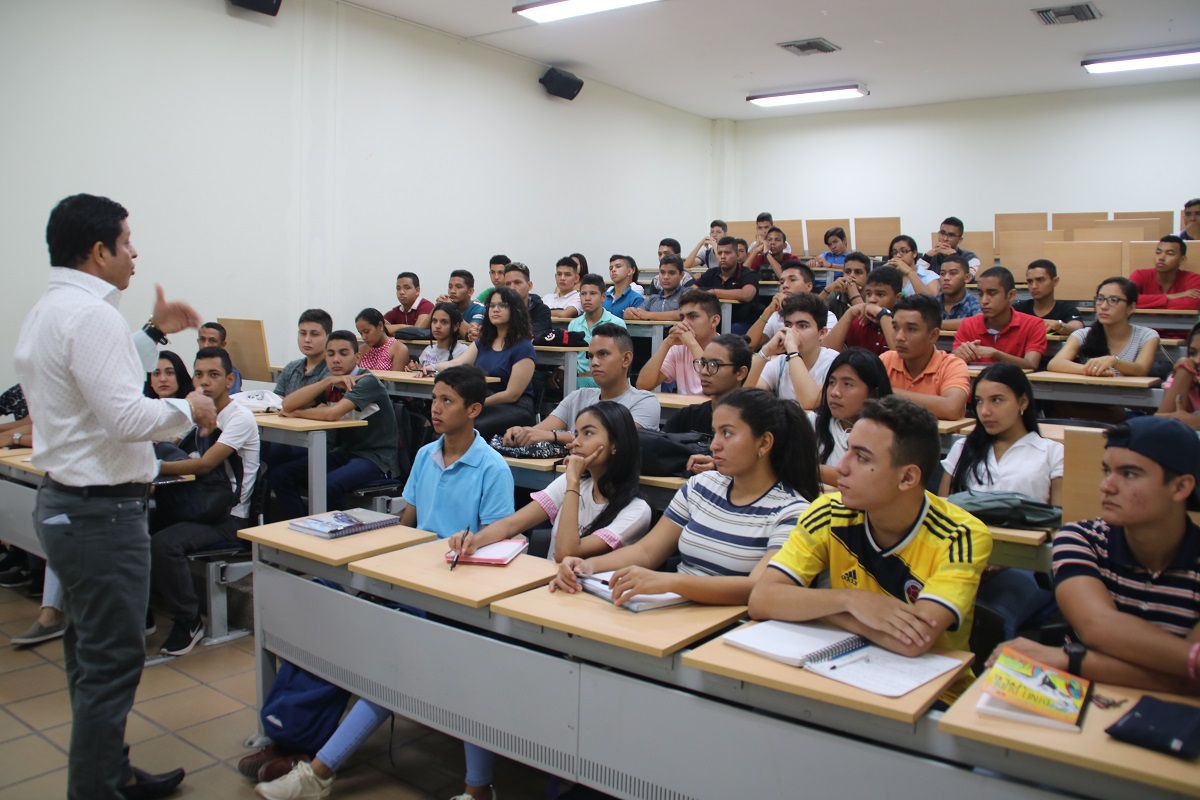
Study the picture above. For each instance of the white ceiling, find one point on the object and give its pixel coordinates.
(706, 56)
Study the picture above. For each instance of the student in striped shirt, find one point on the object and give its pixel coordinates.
(725, 524)
(1128, 581)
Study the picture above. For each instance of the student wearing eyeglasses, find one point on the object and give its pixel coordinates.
(949, 237)
(1111, 345)
(723, 368)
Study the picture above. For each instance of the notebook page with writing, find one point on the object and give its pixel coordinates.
(883, 672)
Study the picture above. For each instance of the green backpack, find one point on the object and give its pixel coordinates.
(1008, 509)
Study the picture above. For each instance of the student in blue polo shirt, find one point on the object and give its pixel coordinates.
(1128, 581)
(625, 291)
(457, 483)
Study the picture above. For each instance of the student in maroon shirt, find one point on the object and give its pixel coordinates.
(414, 310)
(1000, 333)
(869, 324)
(1168, 285)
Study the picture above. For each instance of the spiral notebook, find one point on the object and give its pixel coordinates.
(841, 656)
(337, 524)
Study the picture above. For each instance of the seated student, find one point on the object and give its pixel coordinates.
(413, 310)
(212, 334)
(503, 351)
(602, 472)
(312, 329)
(699, 319)
(591, 296)
(1060, 316)
(796, 279)
(768, 252)
(378, 350)
(457, 483)
(444, 325)
(724, 523)
(1007, 453)
(846, 291)
(917, 370)
(704, 254)
(949, 236)
(610, 353)
(563, 302)
(855, 376)
(170, 377)
(743, 250)
(232, 449)
(793, 364)
(361, 455)
(625, 291)
(998, 333)
(458, 292)
(904, 564)
(1181, 392)
(762, 228)
(1111, 345)
(838, 244)
(670, 247)
(902, 254)
(1128, 582)
(1190, 217)
(723, 367)
(1168, 285)
(581, 263)
(956, 300)
(496, 265)
(869, 324)
(516, 277)
(732, 282)
(664, 304)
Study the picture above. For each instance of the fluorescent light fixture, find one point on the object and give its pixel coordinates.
(554, 10)
(1174, 58)
(808, 96)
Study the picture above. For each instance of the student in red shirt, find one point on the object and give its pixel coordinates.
(1168, 285)
(1000, 333)
(869, 324)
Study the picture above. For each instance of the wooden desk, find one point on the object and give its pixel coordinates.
(310, 434)
(424, 569)
(410, 384)
(335, 552)
(18, 459)
(658, 489)
(724, 659)
(974, 369)
(1160, 319)
(1113, 391)
(18, 498)
(654, 330)
(552, 357)
(532, 473)
(659, 633)
(954, 425)
(1023, 549)
(1092, 749)
(670, 402)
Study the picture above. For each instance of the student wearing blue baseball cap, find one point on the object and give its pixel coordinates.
(1128, 581)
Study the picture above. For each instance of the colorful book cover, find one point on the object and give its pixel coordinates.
(1033, 686)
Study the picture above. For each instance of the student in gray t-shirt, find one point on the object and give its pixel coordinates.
(611, 352)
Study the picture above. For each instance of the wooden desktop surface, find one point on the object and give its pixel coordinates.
(659, 632)
(18, 459)
(659, 481)
(1019, 536)
(401, 376)
(273, 420)
(724, 659)
(1141, 382)
(424, 569)
(672, 400)
(954, 425)
(1090, 749)
(335, 552)
(533, 464)
(1150, 312)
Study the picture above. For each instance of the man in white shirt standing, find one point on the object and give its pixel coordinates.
(83, 377)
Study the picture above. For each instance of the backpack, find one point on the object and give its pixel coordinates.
(207, 499)
(1007, 509)
(302, 711)
(667, 454)
(413, 334)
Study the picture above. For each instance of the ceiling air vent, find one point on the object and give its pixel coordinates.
(810, 47)
(1062, 15)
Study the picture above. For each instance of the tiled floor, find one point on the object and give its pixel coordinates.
(196, 712)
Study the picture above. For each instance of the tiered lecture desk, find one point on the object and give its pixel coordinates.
(310, 434)
(551, 357)
(18, 495)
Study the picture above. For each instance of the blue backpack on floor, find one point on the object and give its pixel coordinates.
(302, 710)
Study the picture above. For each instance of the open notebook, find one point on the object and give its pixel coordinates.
(842, 656)
(496, 554)
(598, 585)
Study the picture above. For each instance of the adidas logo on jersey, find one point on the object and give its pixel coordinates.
(850, 577)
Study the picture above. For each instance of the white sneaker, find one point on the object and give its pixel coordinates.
(299, 784)
(465, 796)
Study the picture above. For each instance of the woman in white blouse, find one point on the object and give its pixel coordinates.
(854, 377)
(1006, 453)
(1110, 345)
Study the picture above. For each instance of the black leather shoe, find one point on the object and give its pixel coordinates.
(149, 787)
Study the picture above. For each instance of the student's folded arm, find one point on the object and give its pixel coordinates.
(467, 357)
(650, 376)
(1140, 366)
(927, 610)
(721, 590)
(212, 458)
(305, 396)
(408, 516)
(518, 381)
(659, 544)
(326, 413)
(777, 595)
(1064, 359)
(661, 316)
(525, 518)
(950, 404)
(807, 390)
(836, 338)
(1104, 668)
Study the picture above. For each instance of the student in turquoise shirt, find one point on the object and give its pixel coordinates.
(440, 501)
(591, 297)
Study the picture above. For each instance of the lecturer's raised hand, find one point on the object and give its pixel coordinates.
(173, 316)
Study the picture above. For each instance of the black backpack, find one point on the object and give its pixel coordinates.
(667, 454)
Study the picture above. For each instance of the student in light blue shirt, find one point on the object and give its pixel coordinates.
(475, 490)
(625, 291)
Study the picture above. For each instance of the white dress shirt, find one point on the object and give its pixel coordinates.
(1028, 466)
(83, 374)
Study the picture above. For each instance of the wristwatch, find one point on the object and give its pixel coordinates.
(884, 312)
(16, 439)
(154, 333)
(1075, 652)
(791, 355)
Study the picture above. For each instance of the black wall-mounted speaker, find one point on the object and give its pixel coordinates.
(561, 83)
(261, 6)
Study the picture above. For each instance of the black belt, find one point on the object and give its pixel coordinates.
(120, 490)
